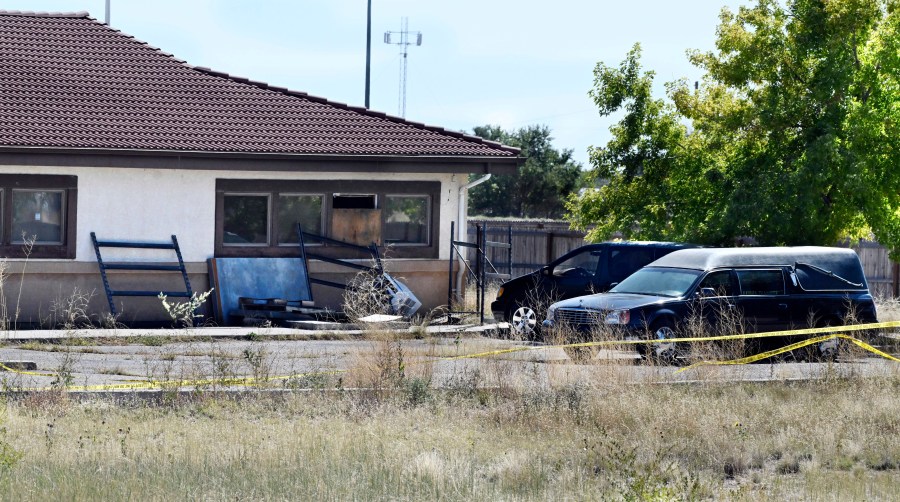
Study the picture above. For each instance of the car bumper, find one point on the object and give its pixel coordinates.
(498, 309)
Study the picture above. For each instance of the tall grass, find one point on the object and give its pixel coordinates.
(832, 440)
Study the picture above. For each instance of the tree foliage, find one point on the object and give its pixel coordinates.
(539, 189)
(791, 138)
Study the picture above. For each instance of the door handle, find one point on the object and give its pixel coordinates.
(782, 306)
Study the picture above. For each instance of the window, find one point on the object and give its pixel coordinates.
(761, 282)
(294, 209)
(37, 212)
(623, 262)
(246, 220)
(353, 201)
(720, 282)
(406, 219)
(582, 264)
(260, 217)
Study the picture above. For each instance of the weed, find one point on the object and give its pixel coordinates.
(365, 296)
(71, 312)
(185, 314)
(256, 356)
(152, 340)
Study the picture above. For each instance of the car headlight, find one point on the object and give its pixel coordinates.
(618, 317)
(499, 293)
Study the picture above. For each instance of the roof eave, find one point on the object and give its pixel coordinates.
(186, 159)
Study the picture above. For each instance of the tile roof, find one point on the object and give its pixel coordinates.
(69, 81)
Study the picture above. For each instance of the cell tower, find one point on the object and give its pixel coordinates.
(403, 43)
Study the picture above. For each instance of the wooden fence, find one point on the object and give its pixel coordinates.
(879, 269)
(534, 244)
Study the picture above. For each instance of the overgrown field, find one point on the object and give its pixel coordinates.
(830, 439)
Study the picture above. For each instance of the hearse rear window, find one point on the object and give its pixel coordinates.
(761, 282)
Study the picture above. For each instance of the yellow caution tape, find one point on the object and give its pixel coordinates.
(24, 372)
(768, 334)
(791, 347)
(162, 384)
(252, 381)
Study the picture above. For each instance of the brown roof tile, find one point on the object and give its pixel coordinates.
(68, 81)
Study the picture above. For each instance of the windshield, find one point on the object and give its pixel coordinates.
(673, 282)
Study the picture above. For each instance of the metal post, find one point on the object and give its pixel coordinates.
(482, 263)
(895, 280)
(510, 254)
(450, 277)
(368, 50)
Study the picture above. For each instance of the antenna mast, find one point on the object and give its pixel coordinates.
(403, 43)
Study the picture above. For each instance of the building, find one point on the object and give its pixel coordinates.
(100, 132)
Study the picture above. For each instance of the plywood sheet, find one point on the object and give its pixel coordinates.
(357, 226)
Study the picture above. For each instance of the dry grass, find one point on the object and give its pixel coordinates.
(831, 440)
(508, 427)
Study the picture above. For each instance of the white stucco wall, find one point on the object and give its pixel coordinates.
(153, 204)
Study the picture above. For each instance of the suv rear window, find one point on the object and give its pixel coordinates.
(761, 282)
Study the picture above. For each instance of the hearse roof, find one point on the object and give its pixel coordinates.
(655, 244)
(840, 262)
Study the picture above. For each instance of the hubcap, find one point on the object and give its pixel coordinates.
(523, 321)
(665, 350)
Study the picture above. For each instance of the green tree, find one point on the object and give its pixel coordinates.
(539, 189)
(793, 133)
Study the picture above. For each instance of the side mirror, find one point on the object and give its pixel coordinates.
(545, 271)
(613, 284)
(707, 292)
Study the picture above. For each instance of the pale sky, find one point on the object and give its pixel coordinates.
(511, 63)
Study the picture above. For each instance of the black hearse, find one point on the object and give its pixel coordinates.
(593, 268)
(768, 289)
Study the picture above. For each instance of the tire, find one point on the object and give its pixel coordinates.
(826, 351)
(663, 354)
(523, 322)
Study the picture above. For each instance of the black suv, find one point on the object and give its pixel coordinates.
(589, 269)
(766, 289)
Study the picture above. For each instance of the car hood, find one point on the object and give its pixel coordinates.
(609, 301)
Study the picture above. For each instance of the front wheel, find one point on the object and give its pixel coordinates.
(663, 353)
(523, 321)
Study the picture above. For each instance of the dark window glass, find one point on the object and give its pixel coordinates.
(624, 262)
(406, 220)
(720, 282)
(246, 220)
(761, 282)
(37, 215)
(305, 210)
(582, 264)
(353, 201)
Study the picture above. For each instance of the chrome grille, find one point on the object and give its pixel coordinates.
(578, 317)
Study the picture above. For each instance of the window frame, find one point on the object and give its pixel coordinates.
(68, 186)
(431, 190)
